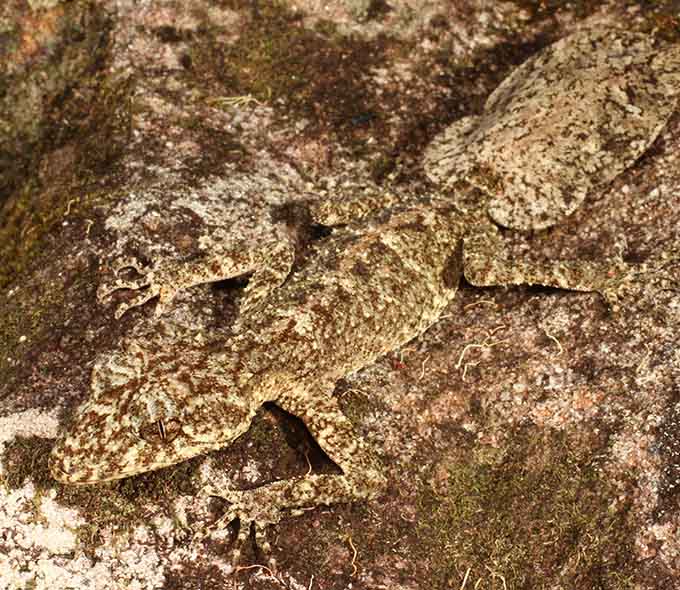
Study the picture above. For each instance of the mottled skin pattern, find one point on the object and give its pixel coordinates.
(367, 289)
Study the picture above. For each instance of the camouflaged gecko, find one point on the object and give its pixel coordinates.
(568, 119)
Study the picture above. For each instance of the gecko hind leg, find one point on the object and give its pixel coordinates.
(487, 265)
(266, 505)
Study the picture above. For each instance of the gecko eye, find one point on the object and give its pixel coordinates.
(160, 431)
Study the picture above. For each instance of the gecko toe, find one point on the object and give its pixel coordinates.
(250, 515)
(117, 282)
(127, 262)
(139, 299)
(105, 290)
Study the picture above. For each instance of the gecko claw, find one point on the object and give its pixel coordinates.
(631, 277)
(147, 284)
(251, 514)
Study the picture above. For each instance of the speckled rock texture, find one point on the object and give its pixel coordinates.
(529, 438)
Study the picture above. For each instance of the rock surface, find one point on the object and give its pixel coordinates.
(545, 456)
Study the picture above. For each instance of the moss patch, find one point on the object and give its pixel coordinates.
(43, 53)
(86, 128)
(316, 76)
(540, 515)
(660, 16)
(124, 504)
(25, 458)
(121, 505)
(668, 445)
(541, 9)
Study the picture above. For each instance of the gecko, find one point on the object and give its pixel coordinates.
(385, 274)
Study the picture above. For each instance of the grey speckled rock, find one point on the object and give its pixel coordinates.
(567, 120)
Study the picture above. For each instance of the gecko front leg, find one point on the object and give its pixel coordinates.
(271, 263)
(361, 476)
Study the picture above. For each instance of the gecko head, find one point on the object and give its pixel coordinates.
(141, 420)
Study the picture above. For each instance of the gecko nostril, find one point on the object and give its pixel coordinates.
(160, 431)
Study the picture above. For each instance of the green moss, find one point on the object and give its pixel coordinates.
(316, 76)
(122, 505)
(34, 314)
(83, 132)
(542, 515)
(659, 17)
(25, 458)
(382, 167)
(69, 41)
(546, 9)
(96, 117)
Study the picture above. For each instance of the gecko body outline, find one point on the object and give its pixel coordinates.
(405, 264)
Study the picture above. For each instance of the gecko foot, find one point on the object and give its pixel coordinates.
(147, 283)
(615, 287)
(252, 511)
(623, 282)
